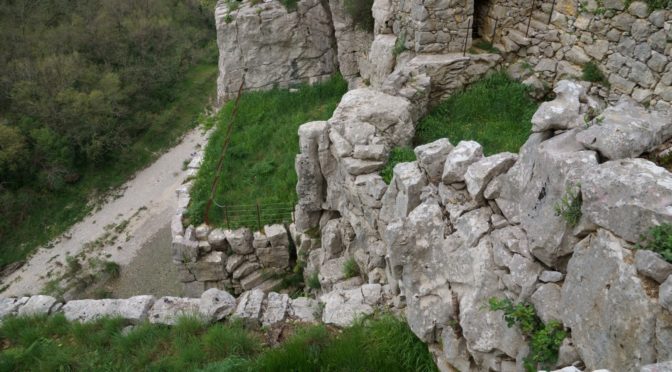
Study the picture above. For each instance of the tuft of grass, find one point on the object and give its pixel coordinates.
(544, 339)
(313, 281)
(360, 12)
(112, 269)
(495, 112)
(350, 268)
(291, 5)
(569, 206)
(485, 46)
(397, 155)
(591, 72)
(400, 44)
(658, 239)
(259, 163)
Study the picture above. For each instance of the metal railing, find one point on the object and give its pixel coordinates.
(256, 215)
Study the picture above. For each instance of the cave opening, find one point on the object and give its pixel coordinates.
(480, 13)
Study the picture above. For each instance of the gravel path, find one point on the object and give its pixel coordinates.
(144, 209)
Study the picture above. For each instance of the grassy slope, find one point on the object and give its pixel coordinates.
(259, 163)
(382, 344)
(495, 112)
(53, 215)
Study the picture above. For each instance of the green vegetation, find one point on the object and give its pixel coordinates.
(382, 343)
(313, 281)
(90, 93)
(659, 4)
(483, 45)
(397, 155)
(658, 239)
(569, 207)
(259, 163)
(544, 339)
(291, 5)
(400, 44)
(592, 73)
(495, 112)
(360, 12)
(350, 268)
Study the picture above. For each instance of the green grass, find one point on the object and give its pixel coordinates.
(569, 206)
(591, 72)
(259, 163)
(397, 155)
(381, 343)
(495, 112)
(658, 239)
(350, 268)
(55, 212)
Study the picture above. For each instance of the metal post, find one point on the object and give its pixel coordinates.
(494, 30)
(258, 216)
(466, 38)
(529, 20)
(226, 216)
(551, 15)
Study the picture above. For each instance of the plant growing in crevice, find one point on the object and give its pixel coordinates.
(400, 44)
(569, 206)
(350, 268)
(313, 281)
(360, 12)
(544, 339)
(290, 5)
(591, 72)
(658, 239)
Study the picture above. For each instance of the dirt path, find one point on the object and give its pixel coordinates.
(120, 228)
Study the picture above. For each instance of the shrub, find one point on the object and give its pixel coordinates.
(291, 5)
(313, 281)
(350, 268)
(360, 11)
(592, 73)
(544, 339)
(397, 155)
(569, 207)
(658, 239)
(495, 112)
(112, 269)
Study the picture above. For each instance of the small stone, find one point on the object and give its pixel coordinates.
(217, 240)
(276, 308)
(216, 304)
(665, 294)
(551, 276)
(480, 173)
(432, 156)
(304, 309)
(462, 156)
(651, 264)
(240, 240)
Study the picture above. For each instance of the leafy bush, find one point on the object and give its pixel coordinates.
(397, 155)
(658, 239)
(592, 73)
(495, 112)
(569, 207)
(350, 268)
(360, 11)
(544, 339)
(291, 5)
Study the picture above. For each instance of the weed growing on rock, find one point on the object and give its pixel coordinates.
(544, 339)
(313, 281)
(569, 206)
(592, 73)
(658, 239)
(350, 268)
(400, 44)
(360, 12)
(397, 155)
(291, 5)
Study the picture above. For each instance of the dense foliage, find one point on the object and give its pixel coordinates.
(81, 82)
(495, 112)
(544, 339)
(384, 343)
(259, 162)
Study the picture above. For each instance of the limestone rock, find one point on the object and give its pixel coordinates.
(627, 197)
(563, 111)
(209, 268)
(134, 309)
(216, 304)
(10, 306)
(626, 131)
(665, 294)
(546, 301)
(403, 194)
(276, 308)
(471, 226)
(381, 59)
(480, 173)
(432, 156)
(345, 306)
(652, 265)
(249, 306)
(620, 336)
(168, 310)
(305, 309)
(462, 156)
(240, 240)
(551, 276)
(38, 305)
(658, 367)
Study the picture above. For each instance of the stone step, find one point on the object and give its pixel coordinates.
(518, 37)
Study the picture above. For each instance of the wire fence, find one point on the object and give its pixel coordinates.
(255, 215)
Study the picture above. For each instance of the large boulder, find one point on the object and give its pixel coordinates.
(563, 111)
(168, 310)
(277, 306)
(480, 173)
(462, 156)
(249, 306)
(10, 306)
(605, 304)
(627, 196)
(343, 307)
(626, 131)
(133, 310)
(39, 305)
(279, 46)
(216, 304)
(240, 240)
(432, 157)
